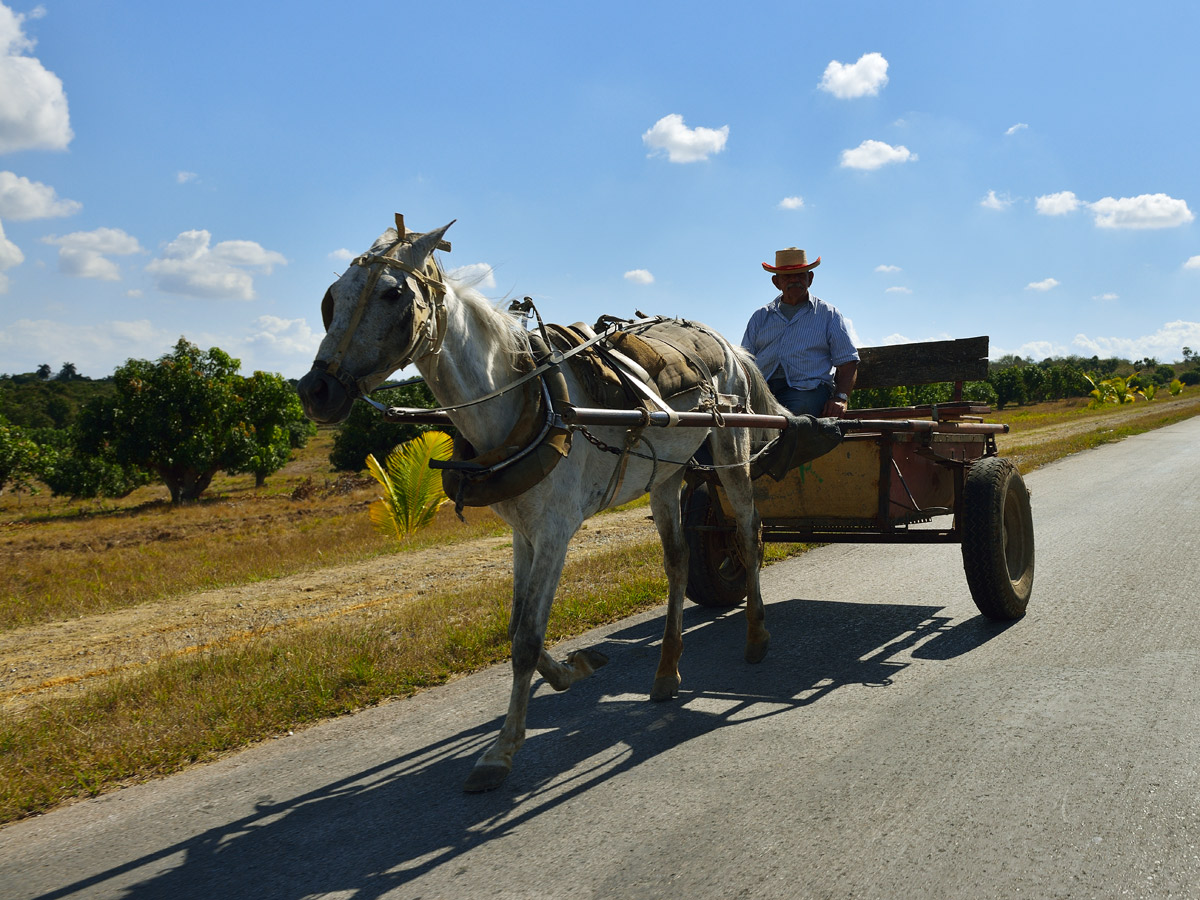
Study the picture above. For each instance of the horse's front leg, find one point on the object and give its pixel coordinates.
(536, 570)
(664, 502)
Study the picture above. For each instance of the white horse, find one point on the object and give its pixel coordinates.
(393, 306)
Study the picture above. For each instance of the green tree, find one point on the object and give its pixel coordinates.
(277, 424)
(1009, 386)
(185, 417)
(365, 433)
(18, 456)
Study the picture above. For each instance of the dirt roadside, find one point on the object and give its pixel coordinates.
(62, 658)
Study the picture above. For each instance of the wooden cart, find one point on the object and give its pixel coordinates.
(921, 474)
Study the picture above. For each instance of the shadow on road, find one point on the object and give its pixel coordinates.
(377, 829)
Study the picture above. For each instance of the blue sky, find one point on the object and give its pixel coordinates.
(1022, 170)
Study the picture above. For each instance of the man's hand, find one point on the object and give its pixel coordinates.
(834, 409)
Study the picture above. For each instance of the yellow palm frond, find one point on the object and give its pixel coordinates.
(412, 490)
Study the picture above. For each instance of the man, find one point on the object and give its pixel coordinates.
(801, 343)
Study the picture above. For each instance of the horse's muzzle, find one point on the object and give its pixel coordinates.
(325, 399)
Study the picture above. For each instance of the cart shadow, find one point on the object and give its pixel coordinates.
(375, 830)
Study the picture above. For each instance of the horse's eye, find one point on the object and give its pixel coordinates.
(394, 293)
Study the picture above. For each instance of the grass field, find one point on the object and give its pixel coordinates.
(61, 560)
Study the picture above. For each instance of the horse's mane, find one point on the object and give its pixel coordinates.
(504, 327)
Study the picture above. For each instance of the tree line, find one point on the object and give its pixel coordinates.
(1014, 381)
(188, 415)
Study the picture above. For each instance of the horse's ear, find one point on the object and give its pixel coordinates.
(424, 246)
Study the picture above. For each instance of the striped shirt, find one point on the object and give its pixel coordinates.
(807, 346)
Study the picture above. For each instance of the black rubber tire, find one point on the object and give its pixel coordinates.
(997, 539)
(716, 576)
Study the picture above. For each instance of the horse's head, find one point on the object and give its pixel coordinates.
(383, 313)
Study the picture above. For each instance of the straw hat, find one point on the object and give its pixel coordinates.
(791, 260)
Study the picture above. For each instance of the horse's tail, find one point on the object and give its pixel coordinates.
(760, 399)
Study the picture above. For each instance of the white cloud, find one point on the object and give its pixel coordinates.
(639, 276)
(10, 253)
(893, 339)
(1041, 350)
(10, 256)
(96, 349)
(1047, 284)
(993, 201)
(22, 200)
(1142, 211)
(859, 79)
(33, 106)
(874, 154)
(887, 269)
(476, 275)
(185, 177)
(1015, 128)
(1107, 297)
(1058, 204)
(850, 330)
(283, 337)
(682, 144)
(342, 255)
(1166, 343)
(84, 254)
(190, 267)
(897, 289)
(791, 203)
(1192, 263)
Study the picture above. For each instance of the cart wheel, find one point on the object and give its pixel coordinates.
(997, 539)
(716, 576)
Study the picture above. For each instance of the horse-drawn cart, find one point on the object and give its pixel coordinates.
(886, 476)
(896, 477)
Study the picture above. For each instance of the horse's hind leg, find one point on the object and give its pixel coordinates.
(664, 502)
(740, 491)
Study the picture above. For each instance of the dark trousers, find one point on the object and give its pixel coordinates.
(799, 402)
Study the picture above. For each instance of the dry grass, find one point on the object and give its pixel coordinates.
(191, 709)
(60, 559)
(1045, 432)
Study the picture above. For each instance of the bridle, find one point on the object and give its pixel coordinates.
(428, 309)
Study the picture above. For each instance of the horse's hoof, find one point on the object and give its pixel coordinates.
(755, 653)
(665, 688)
(485, 777)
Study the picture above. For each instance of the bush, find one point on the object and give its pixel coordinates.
(366, 433)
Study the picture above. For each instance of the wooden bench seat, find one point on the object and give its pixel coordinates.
(928, 362)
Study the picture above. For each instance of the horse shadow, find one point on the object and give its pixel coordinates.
(378, 829)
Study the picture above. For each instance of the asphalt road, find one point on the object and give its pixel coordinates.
(894, 744)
